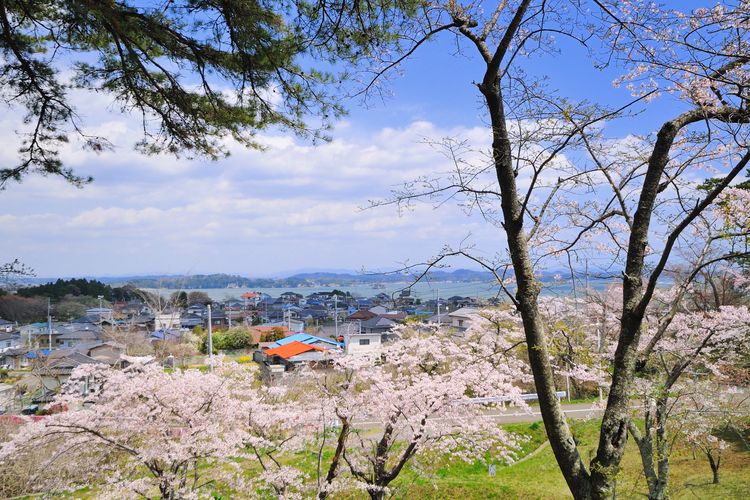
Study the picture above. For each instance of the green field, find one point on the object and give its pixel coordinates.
(536, 476)
(539, 477)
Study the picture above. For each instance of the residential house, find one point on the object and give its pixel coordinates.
(74, 337)
(58, 366)
(290, 297)
(6, 326)
(441, 319)
(377, 324)
(218, 318)
(86, 322)
(460, 319)
(190, 321)
(132, 308)
(457, 302)
(100, 315)
(144, 321)
(250, 299)
(288, 357)
(200, 310)
(38, 334)
(167, 320)
(358, 344)
(306, 338)
(109, 353)
(168, 334)
(309, 314)
(9, 341)
(15, 358)
(234, 305)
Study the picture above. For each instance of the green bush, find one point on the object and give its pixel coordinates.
(228, 340)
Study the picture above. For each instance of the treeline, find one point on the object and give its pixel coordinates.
(79, 287)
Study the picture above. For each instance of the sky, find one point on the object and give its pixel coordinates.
(295, 206)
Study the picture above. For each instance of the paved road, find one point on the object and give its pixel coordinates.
(512, 415)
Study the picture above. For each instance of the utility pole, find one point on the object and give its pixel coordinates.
(210, 342)
(336, 314)
(100, 297)
(49, 322)
(587, 278)
(438, 306)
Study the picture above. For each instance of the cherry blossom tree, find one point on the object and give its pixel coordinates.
(707, 409)
(415, 403)
(561, 190)
(140, 430)
(702, 342)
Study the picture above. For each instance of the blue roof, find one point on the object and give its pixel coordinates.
(38, 352)
(305, 338)
(164, 335)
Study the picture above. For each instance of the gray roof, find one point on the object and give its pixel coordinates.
(79, 334)
(378, 322)
(66, 363)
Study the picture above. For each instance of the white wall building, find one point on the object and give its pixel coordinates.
(362, 343)
(460, 319)
(167, 321)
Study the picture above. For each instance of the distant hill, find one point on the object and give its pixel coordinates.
(221, 280)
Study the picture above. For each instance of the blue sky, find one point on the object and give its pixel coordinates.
(293, 206)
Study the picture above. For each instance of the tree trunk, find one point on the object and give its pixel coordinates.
(560, 437)
(714, 466)
(336, 460)
(646, 449)
(662, 448)
(376, 494)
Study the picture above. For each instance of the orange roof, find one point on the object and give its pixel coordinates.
(286, 351)
(249, 295)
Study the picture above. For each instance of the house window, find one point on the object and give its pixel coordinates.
(364, 341)
(460, 322)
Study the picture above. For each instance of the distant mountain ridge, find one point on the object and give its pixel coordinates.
(223, 280)
(323, 278)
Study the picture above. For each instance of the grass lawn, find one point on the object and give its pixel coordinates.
(539, 477)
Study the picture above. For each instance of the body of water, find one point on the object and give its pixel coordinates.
(422, 290)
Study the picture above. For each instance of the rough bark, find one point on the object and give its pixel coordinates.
(561, 439)
(337, 457)
(646, 450)
(714, 463)
(600, 481)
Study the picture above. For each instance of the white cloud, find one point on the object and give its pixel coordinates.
(292, 205)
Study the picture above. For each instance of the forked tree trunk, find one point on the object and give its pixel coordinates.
(560, 437)
(600, 482)
(714, 463)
